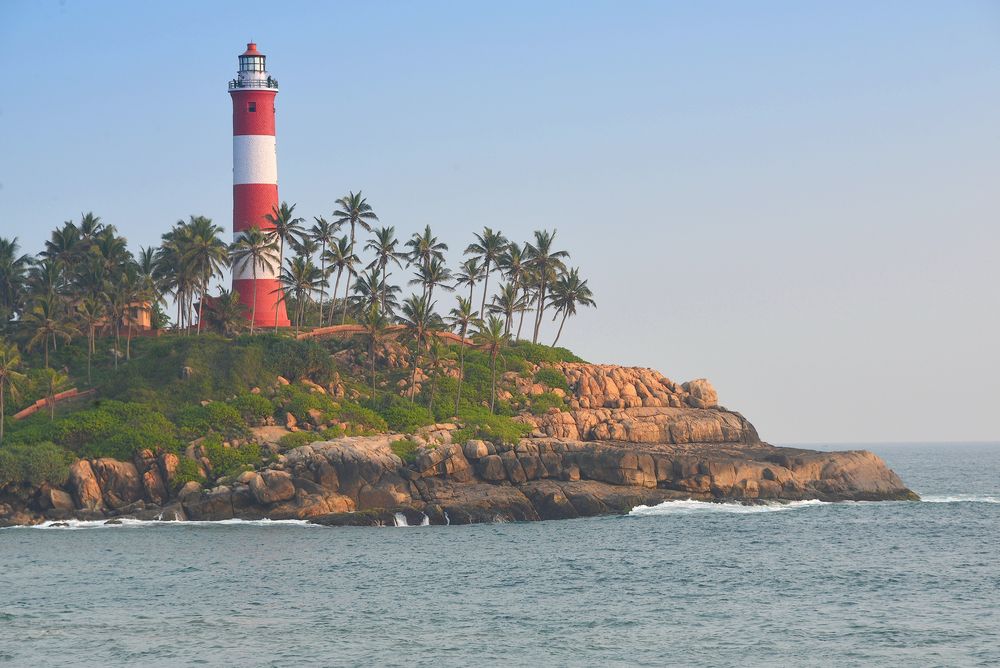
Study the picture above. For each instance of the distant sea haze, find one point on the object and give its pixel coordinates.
(803, 584)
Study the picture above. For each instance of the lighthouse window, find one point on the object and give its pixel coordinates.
(251, 106)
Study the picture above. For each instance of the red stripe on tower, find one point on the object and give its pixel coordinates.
(255, 181)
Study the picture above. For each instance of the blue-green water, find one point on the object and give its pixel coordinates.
(688, 584)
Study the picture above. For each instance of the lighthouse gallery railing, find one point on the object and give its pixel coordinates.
(270, 82)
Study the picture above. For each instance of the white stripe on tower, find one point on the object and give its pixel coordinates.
(255, 159)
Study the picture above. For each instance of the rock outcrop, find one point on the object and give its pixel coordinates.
(628, 437)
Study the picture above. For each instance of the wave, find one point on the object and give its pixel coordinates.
(690, 506)
(126, 523)
(959, 498)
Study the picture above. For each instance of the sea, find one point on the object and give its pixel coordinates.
(684, 583)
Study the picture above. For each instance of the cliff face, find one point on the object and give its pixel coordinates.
(630, 436)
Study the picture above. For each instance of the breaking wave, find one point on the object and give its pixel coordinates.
(691, 507)
(959, 498)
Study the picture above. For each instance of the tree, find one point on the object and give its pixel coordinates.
(460, 319)
(432, 274)
(488, 247)
(424, 248)
(435, 351)
(383, 244)
(512, 263)
(340, 258)
(418, 319)
(375, 323)
(300, 278)
(91, 311)
(54, 381)
(491, 337)
(10, 378)
(324, 233)
(258, 249)
(285, 228)
(370, 289)
(507, 302)
(544, 263)
(205, 255)
(13, 275)
(568, 292)
(46, 322)
(226, 313)
(469, 273)
(353, 209)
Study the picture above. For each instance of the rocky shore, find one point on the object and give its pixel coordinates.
(629, 437)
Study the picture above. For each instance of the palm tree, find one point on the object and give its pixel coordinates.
(13, 275)
(424, 248)
(340, 258)
(353, 209)
(460, 319)
(507, 302)
(323, 233)
(568, 292)
(419, 319)
(512, 262)
(301, 278)
(544, 263)
(285, 228)
(469, 273)
(92, 312)
(46, 322)
(10, 378)
(383, 244)
(375, 323)
(491, 337)
(206, 255)
(435, 351)
(54, 381)
(226, 313)
(370, 289)
(488, 247)
(258, 248)
(432, 274)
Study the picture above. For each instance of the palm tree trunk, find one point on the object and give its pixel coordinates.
(201, 307)
(539, 312)
(461, 371)
(322, 270)
(559, 333)
(253, 309)
(413, 375)
(277, 302)
(128, 340)
(493, 392)
(371, 354)
(486, 283)
(118, 333)
(384, 265)
(350, 273)
(336, 287)
(2, 412)
(90, 350)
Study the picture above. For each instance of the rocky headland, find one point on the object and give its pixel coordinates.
(629, 436)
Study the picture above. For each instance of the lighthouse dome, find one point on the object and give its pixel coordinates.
(253, 70)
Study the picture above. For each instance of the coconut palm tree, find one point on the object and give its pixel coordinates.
(353, 208)
(13, 275)
(286, 228)
(491, 337)
(513, 264)
(92, 311)
(226, 313)
(544, 263)
(325, 234)
(418, 319)
(258, 249)
(508, 301)
(469, 273)
(432, 274)
(300, 279)
(460, 319)
(375, 324)
(568, 292)
(435, 351)
(488, 248)
(53, 382)
(46, 322)
(205, 256)
(11, 378)
(424, 248)
(370, 289)
(339, 257)
(383, 245)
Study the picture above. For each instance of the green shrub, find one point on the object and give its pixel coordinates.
(362, 418)
(35, 463)
(187, 470)
(405, 449)
(298, 401)
(479, 423)
(551, 377)
(539, 354)
(541, 403)
(115, 429)
(195, 421)
(229, 461)
(253, 408)
(298, 438)
(401, 415)
(300, 359)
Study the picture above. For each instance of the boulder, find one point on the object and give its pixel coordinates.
(272, 486)
(84, 486)
(701, 394)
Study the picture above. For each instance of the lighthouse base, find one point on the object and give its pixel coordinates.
(270, 305)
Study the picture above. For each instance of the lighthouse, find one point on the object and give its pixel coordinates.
(255, 181)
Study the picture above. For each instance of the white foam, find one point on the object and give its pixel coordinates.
(690, 507)
(400, 519)
(959, 498)
(127, 523)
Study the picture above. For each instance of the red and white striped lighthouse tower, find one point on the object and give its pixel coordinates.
(255, 180)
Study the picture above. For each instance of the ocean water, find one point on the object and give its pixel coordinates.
(681, 584)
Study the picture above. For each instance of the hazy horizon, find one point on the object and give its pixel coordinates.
(796, 202)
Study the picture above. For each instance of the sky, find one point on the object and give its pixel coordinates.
(798, 201)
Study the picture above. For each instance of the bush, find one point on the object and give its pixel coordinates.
(363, 419)
(299, 438)
(229, 461)
(551, 377)
(300, 359)
(403, 416)
(195, 421)
(543, 402)
(539, 354)
(253, 408)
(405, 449)
(299, 401)
(114, 429)
(187, 470)
(499, 429)
(35, 463)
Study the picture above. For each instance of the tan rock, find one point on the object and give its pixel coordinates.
(83, 484)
